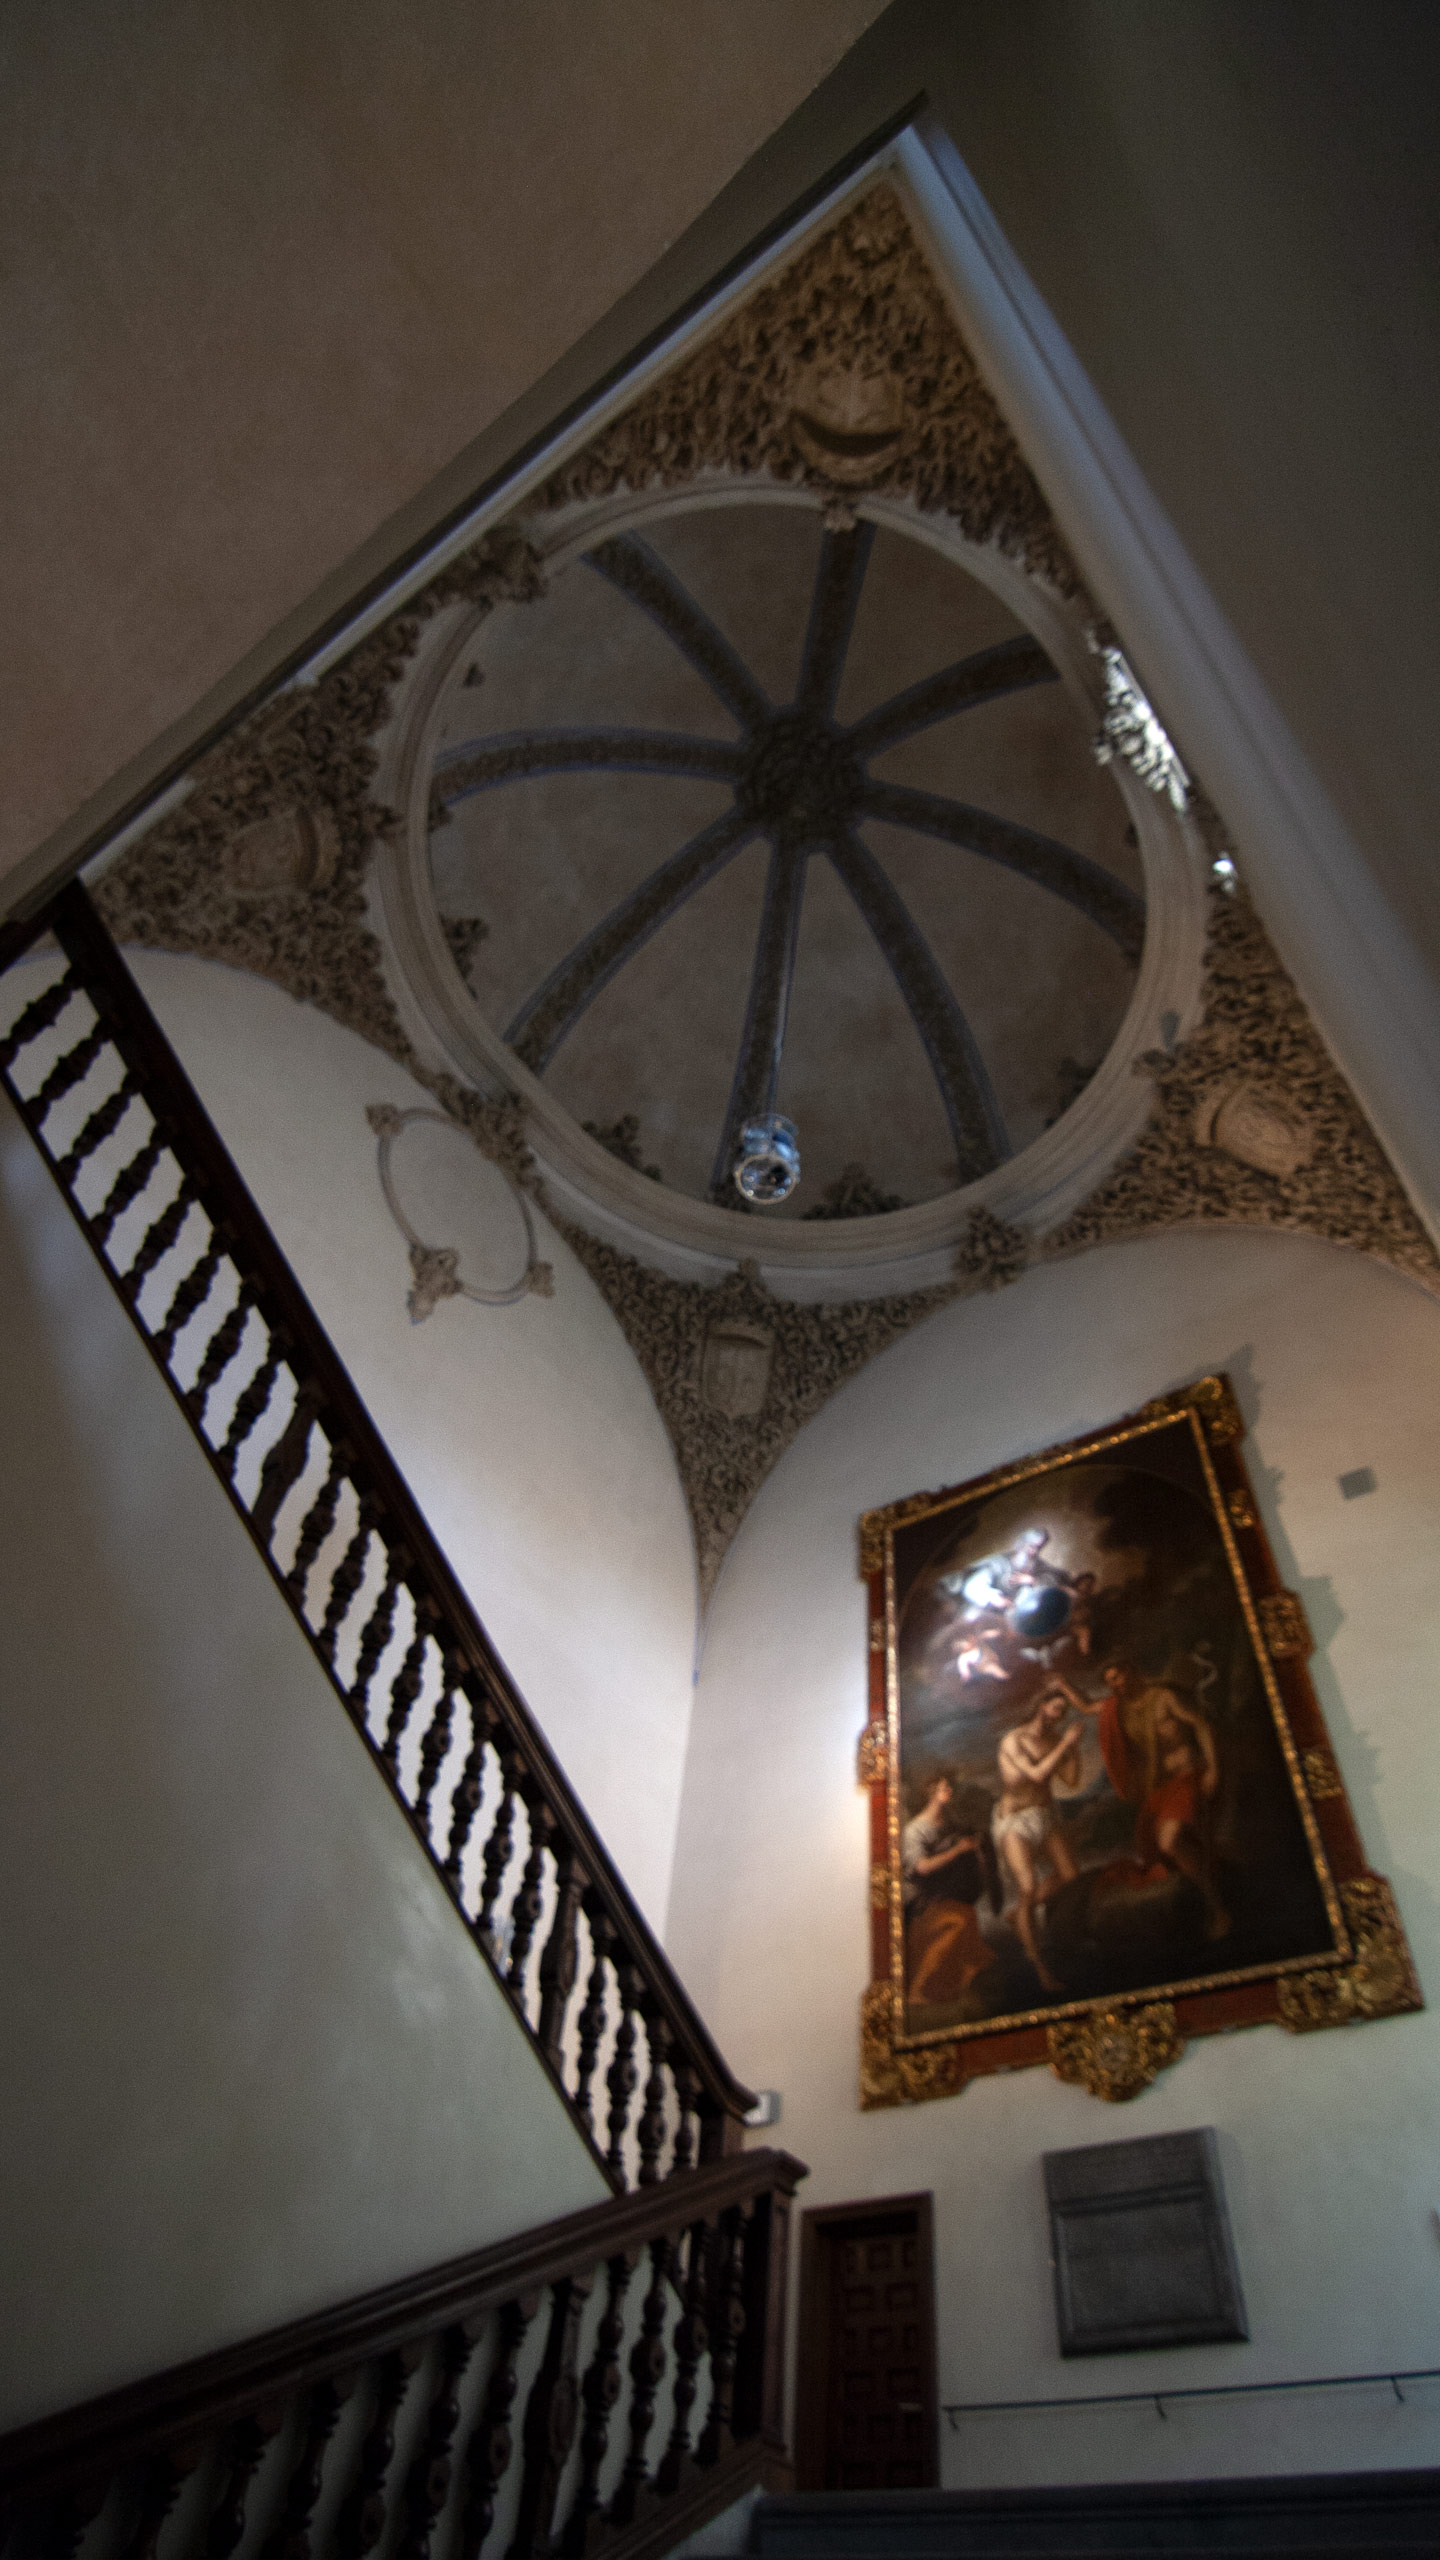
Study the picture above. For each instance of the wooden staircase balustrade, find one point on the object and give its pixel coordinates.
(279, 1418)
(497, 2405)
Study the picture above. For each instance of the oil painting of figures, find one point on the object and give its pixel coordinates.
(1095, 1792)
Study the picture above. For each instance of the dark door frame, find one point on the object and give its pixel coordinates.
(813, 2339)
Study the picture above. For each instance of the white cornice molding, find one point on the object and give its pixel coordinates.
(1370, 993)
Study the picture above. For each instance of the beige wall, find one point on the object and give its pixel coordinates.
(271, 267)
(271, 271)
(1326, 2141)
(527, 1433)
(251, 2058)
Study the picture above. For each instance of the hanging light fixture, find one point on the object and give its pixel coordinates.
(767, 1166)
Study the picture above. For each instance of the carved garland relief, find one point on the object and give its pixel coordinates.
(845, 375)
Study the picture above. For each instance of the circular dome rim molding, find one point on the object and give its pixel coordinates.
(1035, 1188)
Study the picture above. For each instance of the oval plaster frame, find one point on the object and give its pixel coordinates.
(386, 1138)
(852, 1258)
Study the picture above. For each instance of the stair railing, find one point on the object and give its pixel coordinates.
(635, 2348)
(280, 1420)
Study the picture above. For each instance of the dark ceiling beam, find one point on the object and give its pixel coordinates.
(762, 1042)
(985, 677)
(522, 754)
(844, 558)
(977, 1125)
(1106, 901)
(641, 574)
(558, 1002)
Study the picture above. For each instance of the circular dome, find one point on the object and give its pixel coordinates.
(747, 815)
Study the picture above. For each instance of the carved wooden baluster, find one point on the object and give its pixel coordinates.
(436, 1741)
(249, 1405)
(525, 1909)
(727, 2328)
(129, 1182)
(282, 1466)
(497, 1852)
(37, 1016)
(692, 2337)
(349, 1574)
(550, 2415)
(592, 2015)
(599, 2393)
(404, 1690)
(157, 1241)
(245, 2448)
(316, 1526)
(721, 2134)
(427, 2484)
(67, 1072)
(163, 2477)
(70, 2516)
(647, 2371)
(290, 2539)
(361, 2519)
(220, 1350)
(491, 2445)
(650, 2133)
(687, 2094)
(190, 1294)
(759, 2400)
(375, 1636)
(104, 1120)
(622, 2075)
(470, 1788)
(559, 1955)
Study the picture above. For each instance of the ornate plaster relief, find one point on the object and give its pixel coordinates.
(844, 383)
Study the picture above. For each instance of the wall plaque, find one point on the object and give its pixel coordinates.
(1141, 2247)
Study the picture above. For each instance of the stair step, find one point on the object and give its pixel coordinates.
(1346, 2516)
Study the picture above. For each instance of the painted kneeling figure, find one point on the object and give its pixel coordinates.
(944, 1873)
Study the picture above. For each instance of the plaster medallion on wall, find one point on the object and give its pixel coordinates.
(1254, 1127)
(293, 849)
(436, 1269)
(735, 1368)
(848, 423)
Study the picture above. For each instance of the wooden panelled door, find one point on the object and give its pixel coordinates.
(866, 2400)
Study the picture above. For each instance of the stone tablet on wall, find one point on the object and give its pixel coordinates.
(1141, 2247)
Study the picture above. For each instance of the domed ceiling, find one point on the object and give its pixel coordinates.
(745, 813)
(748, 751)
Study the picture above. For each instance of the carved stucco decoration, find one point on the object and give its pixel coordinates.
(1255, 1035)
(851, 356)
(847, 373)
(263, 864)
(435, 1268)
(1115, 2053)
(672, 1326)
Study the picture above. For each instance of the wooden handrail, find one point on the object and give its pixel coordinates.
(653, 2326)
(451, 1677)
(206, 2394)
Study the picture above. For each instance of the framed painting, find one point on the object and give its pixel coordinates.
(1105, 1813)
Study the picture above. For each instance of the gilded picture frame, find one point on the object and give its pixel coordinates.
(1105, 1814)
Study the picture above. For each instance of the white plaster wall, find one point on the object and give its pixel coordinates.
(527, 1433)
(252, 2064)
(1328, 2142)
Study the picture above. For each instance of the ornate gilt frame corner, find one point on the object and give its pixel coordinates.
(1115, 2046)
